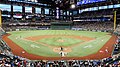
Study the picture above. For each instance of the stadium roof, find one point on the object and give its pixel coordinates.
(62, 4)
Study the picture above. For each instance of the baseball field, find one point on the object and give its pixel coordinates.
(48, 43)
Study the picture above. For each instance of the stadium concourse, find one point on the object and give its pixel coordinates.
(92, 15)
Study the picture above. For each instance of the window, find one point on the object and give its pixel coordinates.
(17, 11)
(75, 12)
(103, 7)
(86, 9)
(116, 5)
(64, 13)
(110, 6)
(5, 7)
(67, 12)
(94, 8)
(46, 11)
(61, 12)
(38, 10)
(17, 8)
(28, 9)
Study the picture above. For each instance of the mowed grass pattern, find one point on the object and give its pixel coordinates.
(84, 49)
(60, 41)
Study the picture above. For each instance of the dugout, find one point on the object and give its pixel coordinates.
(61, 25)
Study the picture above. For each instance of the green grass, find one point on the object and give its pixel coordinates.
(89, 47)
(83, 49)
(35, 48)
(55, 41)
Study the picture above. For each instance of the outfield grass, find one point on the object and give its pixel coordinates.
(89, 47)
(84, 49)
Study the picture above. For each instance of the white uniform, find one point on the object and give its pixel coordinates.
(62, 54)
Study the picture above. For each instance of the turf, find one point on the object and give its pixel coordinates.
(89, 47)
(84, 49)
(60, 41)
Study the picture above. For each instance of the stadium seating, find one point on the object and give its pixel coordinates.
(7, 59)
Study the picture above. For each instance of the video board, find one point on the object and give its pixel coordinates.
(88, 2)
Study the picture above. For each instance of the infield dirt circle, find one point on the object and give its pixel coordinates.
(60, 40)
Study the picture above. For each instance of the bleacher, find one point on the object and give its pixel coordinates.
(118, 29)
(3, 45)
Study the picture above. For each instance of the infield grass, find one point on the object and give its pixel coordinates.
(60, 41)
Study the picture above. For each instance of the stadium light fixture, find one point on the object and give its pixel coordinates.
(73, 6)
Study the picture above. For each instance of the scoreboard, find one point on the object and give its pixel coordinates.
(88, 1)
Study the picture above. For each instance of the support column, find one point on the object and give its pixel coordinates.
(114, 20)
(0, 18)
(42, 14)
(33, 12)
(42, 11)
(23, 12)
(11, 11)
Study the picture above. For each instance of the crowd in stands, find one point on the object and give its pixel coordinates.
(16, 61)
(99, 13)
(86, 20)
(12, 25)
(118, 29)
(102, 26)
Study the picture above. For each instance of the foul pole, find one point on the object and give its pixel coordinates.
(0, 18)
(114, 20)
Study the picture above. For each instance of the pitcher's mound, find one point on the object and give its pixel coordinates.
(60, 40)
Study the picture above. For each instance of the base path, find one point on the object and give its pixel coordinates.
(102, 53)
(67, 49)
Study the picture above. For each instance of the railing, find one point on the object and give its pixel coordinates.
(1, 32)
(117, 31)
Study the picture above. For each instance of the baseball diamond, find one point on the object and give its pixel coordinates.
(47, 43)
(59, 33)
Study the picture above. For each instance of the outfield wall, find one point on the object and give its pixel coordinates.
(61, 25)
